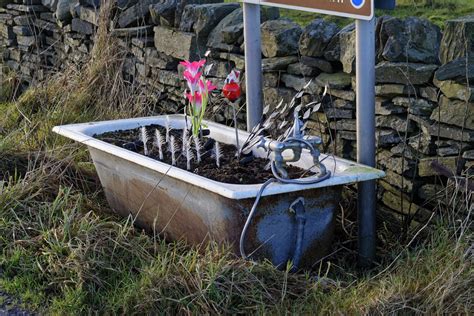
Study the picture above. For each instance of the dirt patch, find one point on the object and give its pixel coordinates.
(246, 170)
(12, 166)
(12, 306)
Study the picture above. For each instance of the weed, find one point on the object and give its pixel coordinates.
(62, 250)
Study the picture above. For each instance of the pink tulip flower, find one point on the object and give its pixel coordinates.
(198, 92)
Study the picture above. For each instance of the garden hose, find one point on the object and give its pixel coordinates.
(249, 218)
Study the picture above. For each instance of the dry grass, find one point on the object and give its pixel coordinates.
(64, 252)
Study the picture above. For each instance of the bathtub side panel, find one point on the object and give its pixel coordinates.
(181, 211)
(274, 228)
(165, 205)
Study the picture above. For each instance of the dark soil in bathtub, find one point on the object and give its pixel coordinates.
(247, 170)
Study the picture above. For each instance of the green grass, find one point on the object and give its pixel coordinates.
(62, 250)
(441, 11)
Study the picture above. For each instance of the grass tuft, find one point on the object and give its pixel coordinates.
(62, 250)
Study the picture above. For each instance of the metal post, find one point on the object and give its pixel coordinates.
(253, 64)
(365, 72)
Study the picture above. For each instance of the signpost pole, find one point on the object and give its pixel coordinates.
(365, 76)
(365, 68)
(253, 63)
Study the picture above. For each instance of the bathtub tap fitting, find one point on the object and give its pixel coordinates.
(295, 144)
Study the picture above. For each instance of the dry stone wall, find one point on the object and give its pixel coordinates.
(424, 78)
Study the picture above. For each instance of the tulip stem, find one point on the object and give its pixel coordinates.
(236, 129)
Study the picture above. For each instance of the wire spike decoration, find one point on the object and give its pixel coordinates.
(159, 143)
(168, 128)
(189, 154)
(277, 121)
(268, 166)
(198, 148)
(144, 139)
(185, 138)
(173, 149)
(218, 154)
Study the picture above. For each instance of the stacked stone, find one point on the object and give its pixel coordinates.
(439, 107)
(40, 36)
(195, 24)
(21, 40)
(424, 110)
(455, 80)
(79, 22)
(147, 33)
(417, 98)
(7, 37)
(135, 31)
(51, 50)
(424, 79)
(404, 91)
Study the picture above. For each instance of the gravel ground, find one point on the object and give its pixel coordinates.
(11, 306)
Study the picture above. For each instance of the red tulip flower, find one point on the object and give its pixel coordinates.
(231, 89)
